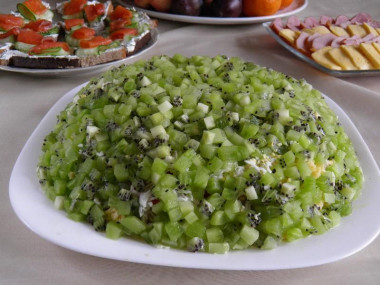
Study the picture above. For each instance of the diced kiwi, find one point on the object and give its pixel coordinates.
(200, 153)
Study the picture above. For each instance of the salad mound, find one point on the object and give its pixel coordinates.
(202, 153)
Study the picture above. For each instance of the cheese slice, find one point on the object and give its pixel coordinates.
(321, 30)
(371, 53)
(317, 29)
(357, 58)
(376, 46)
(289, 35)
(356, 30)
(322, 57)
(341, 59)
(338, 31)
(370, 29)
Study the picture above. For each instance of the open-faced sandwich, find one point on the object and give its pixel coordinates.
(77, 33)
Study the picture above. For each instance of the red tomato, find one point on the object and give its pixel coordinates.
(121, 13)
(36, 6)
(83, 33)
(93, 11)
(13, 31)
(95, 42)
(120, 34)
(74, 7)
(119, 24)
(41, 48)
(8, 21)
(69, 23)
(29, 37)
(39, 26)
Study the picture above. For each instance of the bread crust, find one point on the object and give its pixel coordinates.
(108, 56)
(45, 62)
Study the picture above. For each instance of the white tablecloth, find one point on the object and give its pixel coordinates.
(25, 258)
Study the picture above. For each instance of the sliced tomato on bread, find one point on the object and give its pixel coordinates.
(121, 13)
(70, 23)
(95, 42)
(29, 37)
(49, 48)
(83, 33)
(74, 7)
(121, 33)
(40, 26)
(9, 21)
(92, 12)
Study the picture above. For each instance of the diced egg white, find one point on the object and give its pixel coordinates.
(143, 201)
(262, 165)
(91, 131)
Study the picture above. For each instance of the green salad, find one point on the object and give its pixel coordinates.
(203, 153)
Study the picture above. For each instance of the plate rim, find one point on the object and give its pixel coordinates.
(221, 20)
(49, 119)
(300, 55)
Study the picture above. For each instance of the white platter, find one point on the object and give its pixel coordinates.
(295, 7)
(38, 213)
(91, 70)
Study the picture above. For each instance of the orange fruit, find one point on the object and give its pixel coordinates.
(252, 8)
(285, 3)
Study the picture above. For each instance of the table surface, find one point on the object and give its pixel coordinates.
(25, 258)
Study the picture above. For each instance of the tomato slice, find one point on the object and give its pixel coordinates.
(29, 37)
(47, 47)
(121, 13)
(69, 23)
(95, 42)
(8, 21)
(74, 7)
(36, 6)
(120, 34)
(83, 33)
(94, 11)
(39, 26)
(13, 31)
(119, 24)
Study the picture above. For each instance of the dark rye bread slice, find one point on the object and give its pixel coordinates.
(108, 56)
(143, 41)
(60, 62)
(3, 60)
(45, 62)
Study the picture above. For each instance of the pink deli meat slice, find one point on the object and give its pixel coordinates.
(309, 22)
(361, 18)
(325, 20)
(293, 23)
(277, 25)
(300, 42)
(322, 41)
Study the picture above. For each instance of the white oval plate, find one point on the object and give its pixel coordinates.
(38, 213)
(295, 7)
(91, 70)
